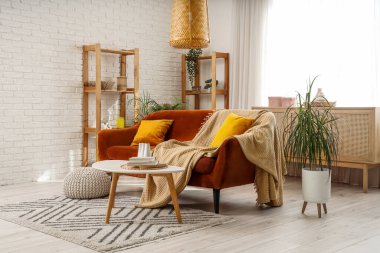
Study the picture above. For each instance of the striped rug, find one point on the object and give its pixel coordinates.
(82, 221)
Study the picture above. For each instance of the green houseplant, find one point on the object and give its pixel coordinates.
(147, 105)
(311, 143)
(192, 64)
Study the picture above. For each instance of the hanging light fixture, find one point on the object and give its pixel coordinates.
(189, 24)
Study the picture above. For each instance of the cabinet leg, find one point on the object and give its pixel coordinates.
(324, 207)
(304, 206)
(365, 179)
(319, 210)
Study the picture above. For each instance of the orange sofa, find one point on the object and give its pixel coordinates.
(230, 167)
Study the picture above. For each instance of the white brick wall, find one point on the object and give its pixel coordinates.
(41, 73)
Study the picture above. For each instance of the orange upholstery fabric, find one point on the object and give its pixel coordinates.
(205, 165)
(121, 152)
(186, 122)
(230, 168)
(114, 137)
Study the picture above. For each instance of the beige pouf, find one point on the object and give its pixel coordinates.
(86, 183)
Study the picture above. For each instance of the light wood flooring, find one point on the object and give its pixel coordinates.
(351, 225)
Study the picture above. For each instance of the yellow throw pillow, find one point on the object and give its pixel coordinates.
(232, 125)
(152, 131)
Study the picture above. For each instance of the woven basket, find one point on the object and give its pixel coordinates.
(86, 183)
(105, 85)
(189, 24)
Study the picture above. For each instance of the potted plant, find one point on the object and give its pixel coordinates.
(192, 65)
(147, 105)
(311, 143)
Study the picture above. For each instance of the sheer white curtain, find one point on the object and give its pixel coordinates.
(336, 39)
(248, 25)
(278, 45)
(339, 40)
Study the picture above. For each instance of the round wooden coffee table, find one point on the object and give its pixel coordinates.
(114, 167)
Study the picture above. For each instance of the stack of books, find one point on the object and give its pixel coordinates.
(143, 163)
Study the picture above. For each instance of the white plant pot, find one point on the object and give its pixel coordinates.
(316, 185)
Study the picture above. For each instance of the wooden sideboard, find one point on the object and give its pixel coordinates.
(359, 133)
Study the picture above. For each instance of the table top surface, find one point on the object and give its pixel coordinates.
(114, 166)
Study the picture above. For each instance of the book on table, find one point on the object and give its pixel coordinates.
(142, 159)
(143, 163)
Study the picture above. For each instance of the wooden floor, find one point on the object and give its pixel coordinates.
(351, 225)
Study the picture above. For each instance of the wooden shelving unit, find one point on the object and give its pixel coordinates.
(214, 91)
(97, 50)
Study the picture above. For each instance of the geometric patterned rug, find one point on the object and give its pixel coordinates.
(82, 221)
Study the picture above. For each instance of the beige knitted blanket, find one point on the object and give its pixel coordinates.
(260, 144)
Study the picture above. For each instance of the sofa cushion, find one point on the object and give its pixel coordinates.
(152, 131)
(205, 165)
(232, 125)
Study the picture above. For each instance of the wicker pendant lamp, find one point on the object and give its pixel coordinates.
(189, 24)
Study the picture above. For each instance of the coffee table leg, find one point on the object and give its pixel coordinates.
(115, 178)
(111, 199)
(173, 194)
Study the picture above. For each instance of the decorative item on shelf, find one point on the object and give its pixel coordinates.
(105, 85)
(320, 100)
(108, 124)
(311, 143)
(192, 65)
(196, 88)
(281, 101)
(274, 102)
(189, 24)
(288, 101)
(208, 84)
(120, 122)
(121, 83)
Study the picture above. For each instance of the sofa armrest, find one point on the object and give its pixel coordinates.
(114, 137)
(231, 164)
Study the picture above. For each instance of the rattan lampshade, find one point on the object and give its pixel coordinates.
(189, 24)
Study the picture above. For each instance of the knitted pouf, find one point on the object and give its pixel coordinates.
(86, 183)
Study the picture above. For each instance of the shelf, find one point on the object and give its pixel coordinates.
(92, 130)
(110, 51)
(122, 52)
(203, 92)
(93, 90)
(219, 55)
(214, 91)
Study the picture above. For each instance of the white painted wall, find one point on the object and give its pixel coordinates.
(220, 14)
(41, 73)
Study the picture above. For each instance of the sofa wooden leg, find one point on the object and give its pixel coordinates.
(216, 193)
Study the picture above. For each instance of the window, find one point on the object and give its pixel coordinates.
(336, 39)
